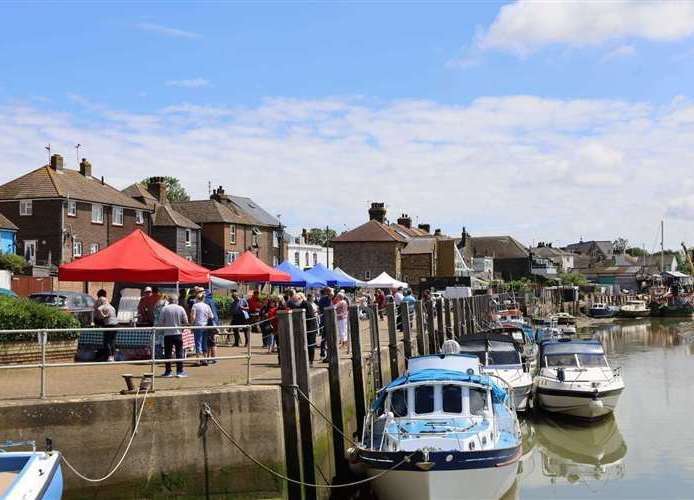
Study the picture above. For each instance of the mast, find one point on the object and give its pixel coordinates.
(662, 246)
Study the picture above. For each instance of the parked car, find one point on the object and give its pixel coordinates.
(4, 292)
(80, 305)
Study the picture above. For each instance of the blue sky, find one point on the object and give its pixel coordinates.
(526, 111)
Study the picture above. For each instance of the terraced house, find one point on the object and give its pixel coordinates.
(63, 214)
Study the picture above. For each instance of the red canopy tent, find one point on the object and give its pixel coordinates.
(137, 258)
(249, 268)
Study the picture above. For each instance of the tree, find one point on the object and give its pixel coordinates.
(636, 252)
(573, 278)
(174, 190)
(13, 263)
(620, 245)
(318, 236)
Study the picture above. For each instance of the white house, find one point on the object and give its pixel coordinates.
(304, 255)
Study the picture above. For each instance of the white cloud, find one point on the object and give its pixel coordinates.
(192, 83)
(533, 167)
(620, 52)
(167, 31)
(525, 26)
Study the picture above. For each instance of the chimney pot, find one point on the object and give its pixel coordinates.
(425, 227)
(377, 212)
(85, 168)
(437, 232)
(157, 187)
(56, 162)
(405, 220)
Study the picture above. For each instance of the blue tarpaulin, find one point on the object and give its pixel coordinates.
(299, 277)
(321, 273)
(438, 375)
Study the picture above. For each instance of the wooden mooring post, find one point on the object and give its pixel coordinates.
(285, 338)
(303, 382)
(405, 321)
(440, 327)
(392, 341)
(456, 318)
(357, 368)
(421, 334)
(376, 347)
(448, 328)
(431, 330)
(338, 426)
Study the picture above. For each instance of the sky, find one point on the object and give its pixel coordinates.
(548, 121)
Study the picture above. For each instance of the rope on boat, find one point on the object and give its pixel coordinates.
(208, 412)
(125, 453)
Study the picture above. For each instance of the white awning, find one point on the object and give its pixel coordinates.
(384, 280)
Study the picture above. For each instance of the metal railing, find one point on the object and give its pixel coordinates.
(155, 332)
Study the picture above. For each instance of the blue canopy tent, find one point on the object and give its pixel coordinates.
(299, 277)
(322, 273)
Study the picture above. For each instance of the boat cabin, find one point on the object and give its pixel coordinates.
(492, 349)
(573, 354)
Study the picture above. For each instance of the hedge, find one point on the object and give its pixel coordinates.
(24, 314)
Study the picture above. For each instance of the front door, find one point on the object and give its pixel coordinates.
(30, 251)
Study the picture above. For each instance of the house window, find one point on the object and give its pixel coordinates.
(297, 262)
(306, 259)
(72, 208)
(97, 214)
(231, 257)
(275, 240)
(189, 237)
(139, 217)
(367, 275)
(274, 260)
(232, 234)
(93, 248)
(77, 248)
(117, 216)
(189, 258)
(315, 258)
(255, 232)
(25, 207)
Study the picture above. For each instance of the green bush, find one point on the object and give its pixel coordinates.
(223, 306)
(24, 314)
(12, 262)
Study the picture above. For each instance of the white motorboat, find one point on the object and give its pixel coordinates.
(442, 431)
(575, 379)
(524, 337)
(565, 322)
(500, 356)
(29, 475)
(634, 309)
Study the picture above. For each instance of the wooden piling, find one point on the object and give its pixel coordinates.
(448, 326)
(338, 426)
(303, 382)
(376, 347)
(463, 315)
(406, 330)
(440, 334)
(285, 338)
(421, 334)
(431, 331)
(392, 341)
(456, 318)
(357, 369)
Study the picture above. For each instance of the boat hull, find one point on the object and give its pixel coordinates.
(581, 404)
(521, 397)
(469, 475)
(645, 313)
(601, 313)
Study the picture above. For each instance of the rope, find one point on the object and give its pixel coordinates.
(211, 416)
(318, 410)
(127, 448)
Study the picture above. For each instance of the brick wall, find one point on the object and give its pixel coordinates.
(358, 258)
(43, 226)
(174, 238)
(415, 267)
(216, 241)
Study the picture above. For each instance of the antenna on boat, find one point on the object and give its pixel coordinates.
(662, 246)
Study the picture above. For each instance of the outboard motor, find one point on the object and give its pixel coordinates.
(560, 375)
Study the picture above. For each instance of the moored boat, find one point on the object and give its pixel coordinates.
(443, 431)
(29, 475)
(565, 322)
(602, 310)
(575, 379)
(634, 309)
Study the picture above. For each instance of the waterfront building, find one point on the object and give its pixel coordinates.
(8, 235)
(512, 259)
(561, 258)
(304, 255)
(596, 250)
(62, 214)
(170, 228)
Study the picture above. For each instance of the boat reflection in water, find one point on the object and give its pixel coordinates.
(577, 452)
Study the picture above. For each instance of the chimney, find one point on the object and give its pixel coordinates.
(157, 188)
(405, 220)
(424, 227)
(85, 168)
(463, 238)
(377, 212)
(56, 162)
(304, 235)
(218, 194)
(437, 232)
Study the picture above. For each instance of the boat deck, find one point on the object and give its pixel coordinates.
(6, 479)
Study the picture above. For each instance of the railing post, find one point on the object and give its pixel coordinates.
(154, 357)
(335, 393)
(248, 358)
(376, 347)
(43, 339)
(357, 369)
(303, 382)
(419, 315)
(285, 338)
(392, 342)
(406, 329)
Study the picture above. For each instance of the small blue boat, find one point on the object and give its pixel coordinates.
(602, 310)
(29, 475)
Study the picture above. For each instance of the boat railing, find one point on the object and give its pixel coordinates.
(16, 444)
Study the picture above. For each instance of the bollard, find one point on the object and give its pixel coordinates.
(419, 317)
(392, 341)
(357, 368)
(335, 394)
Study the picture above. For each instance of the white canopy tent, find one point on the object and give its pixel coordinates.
(384, 280)
(343, 274)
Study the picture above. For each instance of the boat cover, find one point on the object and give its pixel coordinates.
(437, 375)
(575, 347)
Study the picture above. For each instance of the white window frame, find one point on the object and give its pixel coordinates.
(254, 239)
(231, 257)
(367, 275)
(307, 259)
(71, 208)
(77, 249)
(93, 248)
(97, 209)
(189, 237)
(315, 258)
(26, 208)
(117, 221)
(232, 234)
(34, 244)
(297, 259)
(275, 261)
(139, 217)
(275, 240)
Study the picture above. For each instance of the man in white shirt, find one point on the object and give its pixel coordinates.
(174, 316)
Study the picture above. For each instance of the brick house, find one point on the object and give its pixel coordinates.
(63, 214)
(231, 225)
(170, 228)
(512, 260)
(8, 235)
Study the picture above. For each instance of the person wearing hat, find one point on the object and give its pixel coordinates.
(145, 308)
(200, 315)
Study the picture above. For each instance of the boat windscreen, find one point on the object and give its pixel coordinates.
(452, 398)
(424, 399)
(592, 360)
(560, 360)
(398, 402)
(573, 347)
(478, 402)
(504, 358)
